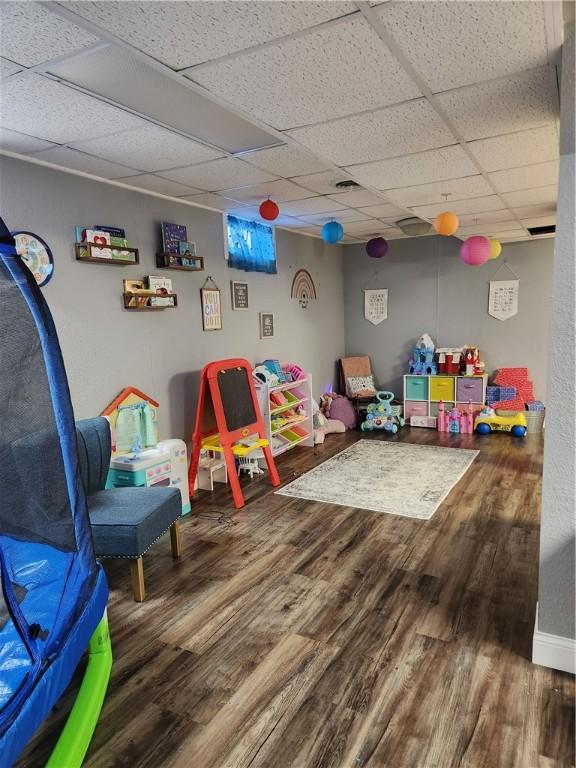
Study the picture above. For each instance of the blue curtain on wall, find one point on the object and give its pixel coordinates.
(251, 246)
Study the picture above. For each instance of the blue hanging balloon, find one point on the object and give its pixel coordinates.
(332, 232)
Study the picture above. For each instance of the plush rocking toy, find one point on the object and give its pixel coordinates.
(379, 415)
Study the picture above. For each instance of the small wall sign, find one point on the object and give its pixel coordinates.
(375, 305)
(266, 325)
(239, 294)
(503, 298)
(36, 254)
(211, 306)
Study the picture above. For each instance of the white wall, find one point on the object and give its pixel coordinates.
(106, 348)
(556, 598)
(431, 290)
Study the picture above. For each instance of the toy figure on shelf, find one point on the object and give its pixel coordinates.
(422, 360)
(470, 363)
(455, 420)
(379, 415)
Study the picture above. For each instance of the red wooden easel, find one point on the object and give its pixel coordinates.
(227, 406)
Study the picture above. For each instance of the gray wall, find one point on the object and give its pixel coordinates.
(106, 348)
(557, 562)
(430, 290)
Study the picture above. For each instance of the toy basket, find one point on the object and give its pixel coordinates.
(534, 422)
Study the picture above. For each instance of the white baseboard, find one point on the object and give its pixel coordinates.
(553, 651)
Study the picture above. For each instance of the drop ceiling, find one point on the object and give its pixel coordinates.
(426, 105)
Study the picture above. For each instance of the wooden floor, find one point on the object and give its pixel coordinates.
(307, 635)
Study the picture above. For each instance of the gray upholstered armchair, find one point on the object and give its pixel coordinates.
(125, 522)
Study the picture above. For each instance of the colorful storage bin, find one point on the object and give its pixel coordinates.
(535, 405)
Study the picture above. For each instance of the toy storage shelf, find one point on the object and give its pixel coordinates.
(293, 433)
(84, 253)
(163, 262)
(422, 393)
(128, 297)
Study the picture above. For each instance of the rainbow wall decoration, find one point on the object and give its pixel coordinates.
(303, 288)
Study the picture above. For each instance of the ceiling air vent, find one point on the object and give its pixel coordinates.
(413, 226)
(548, 230)
(347, 184)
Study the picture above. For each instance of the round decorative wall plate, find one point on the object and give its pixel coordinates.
(36, 254)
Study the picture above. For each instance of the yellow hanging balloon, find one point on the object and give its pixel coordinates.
(495, 248)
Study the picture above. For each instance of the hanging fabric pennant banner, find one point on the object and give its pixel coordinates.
(503, 298)
(375, 305)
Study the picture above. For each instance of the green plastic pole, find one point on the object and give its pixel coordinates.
(76, 735)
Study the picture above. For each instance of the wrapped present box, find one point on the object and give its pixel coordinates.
(535, 405)
(517, 404)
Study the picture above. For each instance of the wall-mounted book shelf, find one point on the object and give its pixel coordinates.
(135, 302)
(175, 261)
(89, 252)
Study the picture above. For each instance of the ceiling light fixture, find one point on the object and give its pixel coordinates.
(413, 226)
(347, 184)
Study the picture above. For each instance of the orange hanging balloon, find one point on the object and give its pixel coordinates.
(446, 223)
(269, 210)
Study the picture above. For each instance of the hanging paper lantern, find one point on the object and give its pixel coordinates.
(269, 210)
(475, 250)
(495, 248)
(446, 223)
(332, 231)
(377, 248)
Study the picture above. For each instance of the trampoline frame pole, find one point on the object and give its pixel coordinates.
(76, 735)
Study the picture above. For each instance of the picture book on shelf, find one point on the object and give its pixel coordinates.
(172, 235)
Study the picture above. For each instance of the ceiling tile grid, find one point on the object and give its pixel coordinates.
(347, 215)
(52, 111)
(12, 141)
(442, 191)
(525, 177)
(157, 184)
(471, 205)
(515, 149)
(8, 68)
(210, 200)
(80, 161)
(281, 191)
(434, 165)
(525, 197)
(309, 78)
(149, 148)
(321, 183)
(285, 161)
(384, 211)
(398, 130)
(32, 35)
(357, 198)
(182, 34)
(225, 173)
(459, 43)
(311, 205)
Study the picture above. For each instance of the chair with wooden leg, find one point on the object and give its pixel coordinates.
(125, 522)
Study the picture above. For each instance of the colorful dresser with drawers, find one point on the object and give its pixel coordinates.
(423, 393)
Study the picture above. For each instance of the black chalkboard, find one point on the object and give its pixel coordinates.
(234, 386)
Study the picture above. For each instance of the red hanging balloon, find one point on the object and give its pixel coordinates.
(269, 210)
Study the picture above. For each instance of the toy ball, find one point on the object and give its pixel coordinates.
(377, 248)
(475, 251)
(495, 248)
(446, 223)
(332, 232)
(269, 210)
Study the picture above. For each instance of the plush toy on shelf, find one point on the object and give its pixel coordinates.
(379, 415)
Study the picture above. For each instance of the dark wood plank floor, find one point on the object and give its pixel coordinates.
(298, 634)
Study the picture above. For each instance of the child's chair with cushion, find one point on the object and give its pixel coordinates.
(357, 380)
(125, 522)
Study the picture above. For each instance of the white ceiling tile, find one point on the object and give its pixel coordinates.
(220, 174)
(79, 161)
(8, 68)
(538, 196)
(459, 43)
(471, 205)
(512, 235)
(321, 183)
(526, 177)
(160, 185)
(183, 34)
(456, 189)
(213, 201)
(434, 165)
(516, 103)
(372, 227)
(341, 216)
(150, 148)
(386, 210)
(539, 221)
(280, 191)
(534, 211)
(12, 141)
(489, 229)
(357, 198)
(515, 149)
(397, 130)
(310, 206)
(32, 35)
(52, 111)
(484, 218)
(285, 161)
(309, 78)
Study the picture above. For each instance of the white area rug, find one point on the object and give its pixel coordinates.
(397, 478)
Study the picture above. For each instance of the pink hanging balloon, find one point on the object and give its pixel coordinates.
(475, 251)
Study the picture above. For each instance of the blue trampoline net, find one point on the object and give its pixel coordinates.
(47, 565)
